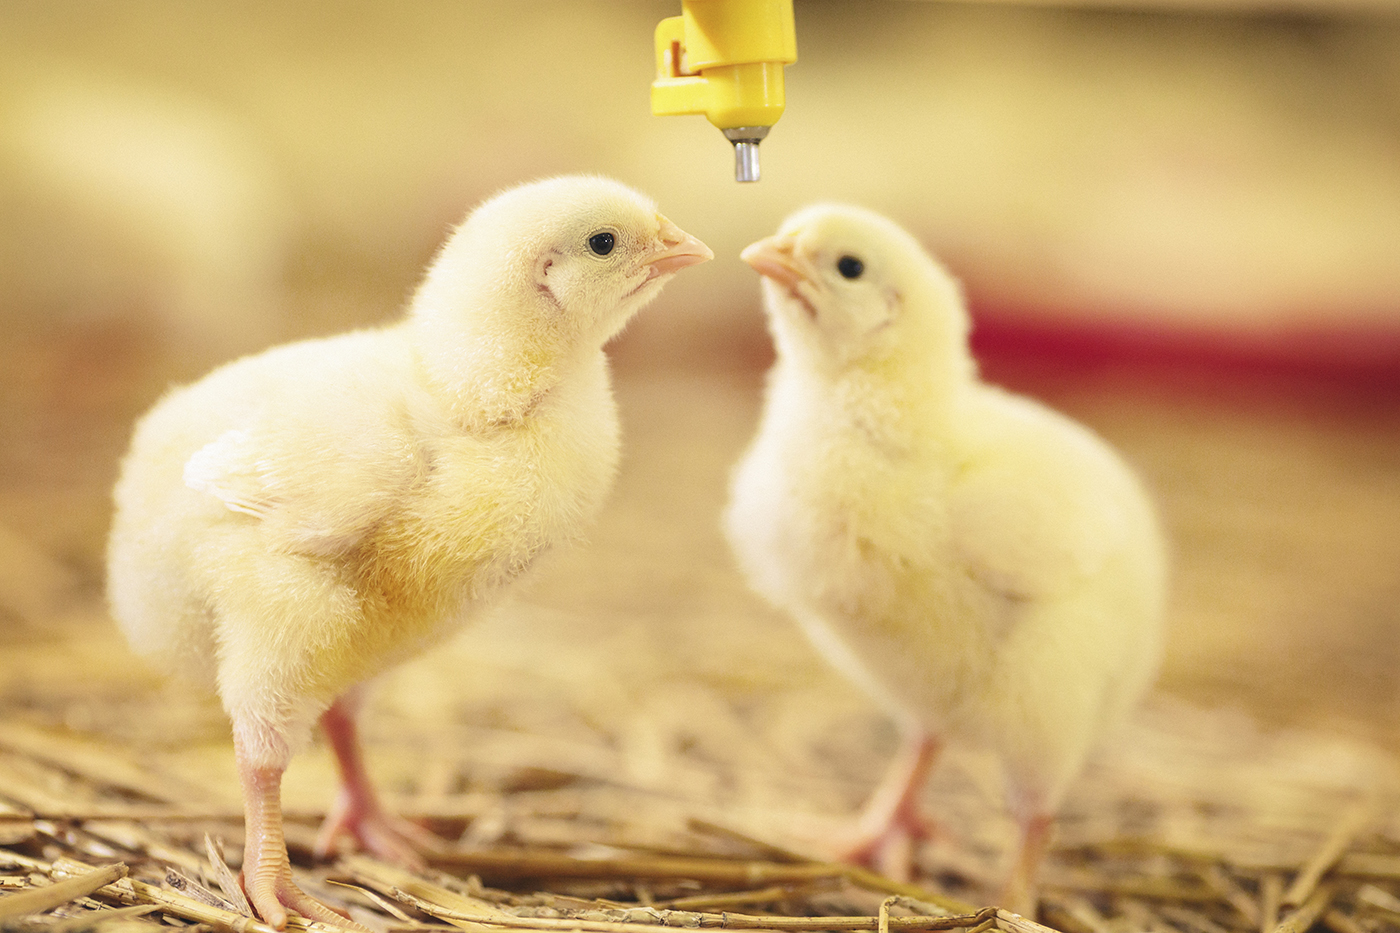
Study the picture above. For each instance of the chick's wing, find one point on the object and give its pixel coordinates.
(319, 467)
(1037, 505)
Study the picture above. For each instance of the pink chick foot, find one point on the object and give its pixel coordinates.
(357, 810)
(892, 821)
(382, 834)
(267, 872)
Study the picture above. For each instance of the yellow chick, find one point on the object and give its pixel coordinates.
(298, 521)
(986, 568)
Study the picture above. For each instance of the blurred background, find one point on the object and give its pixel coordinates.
(1180, 222)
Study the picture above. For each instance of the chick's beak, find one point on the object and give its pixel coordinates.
(772, 258)
(678, 250)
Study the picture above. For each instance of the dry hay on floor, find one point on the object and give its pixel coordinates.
(1195, 822)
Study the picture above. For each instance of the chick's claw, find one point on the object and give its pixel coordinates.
(267, 880)
(890, 848)
(892, 821)
(357, 811)
(380, 833)
(272, 898)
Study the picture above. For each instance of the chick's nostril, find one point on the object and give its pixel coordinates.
(773, 258)
(678, 249)
(670, 234)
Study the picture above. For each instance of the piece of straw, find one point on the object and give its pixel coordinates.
(1348, 828)
(1306, 915)
(38, 900)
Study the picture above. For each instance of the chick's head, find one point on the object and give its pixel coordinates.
(573, 256)
(844, 286)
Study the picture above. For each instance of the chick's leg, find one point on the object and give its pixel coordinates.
(357, 809)
(891, 820)
(267, 872)
(1036, 780)
(1020, 894)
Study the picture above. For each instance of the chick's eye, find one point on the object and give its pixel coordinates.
(601, 243)
(850, 267)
